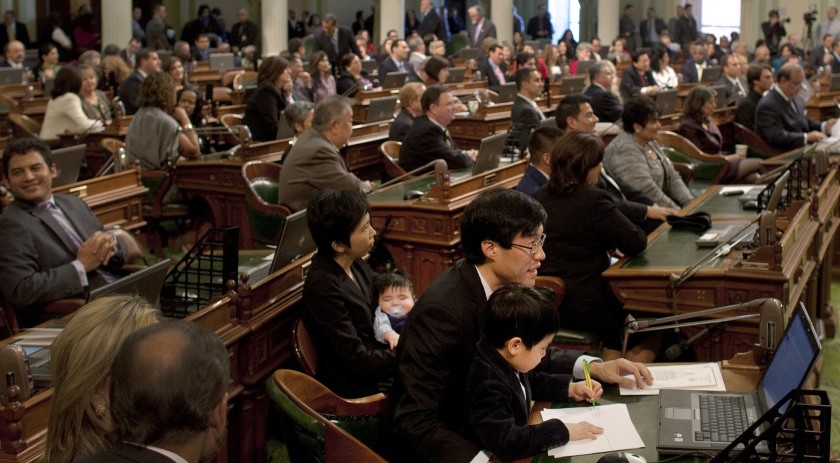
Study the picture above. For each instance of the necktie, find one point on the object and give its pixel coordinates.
(643, 79)
(401, 66)
(475, 37)
(74, 237)
(10, 31)
(334, 41)
(500, 75)
(448, 139)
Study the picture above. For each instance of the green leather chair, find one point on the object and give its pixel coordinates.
(554, 288)
(320, 426)
(455, 45)
(267, 218)
(708, 168)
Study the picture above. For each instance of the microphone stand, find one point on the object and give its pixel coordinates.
(439, 165)
(769, 310)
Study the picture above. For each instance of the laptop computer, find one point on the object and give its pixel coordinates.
(456, 75)
(710, 74)
(666, 102)
(381, 109)
(68, 162)
(681, 425)
(469, 53)
(489, 153)
(749, 200)
(295, 242)
(221, 61)
(11, 76)
(572, 84)
(284, 130)
(369, 66)
(506, 93)
(394, 80)
(583, 67)
(720, 95)
(145, 283)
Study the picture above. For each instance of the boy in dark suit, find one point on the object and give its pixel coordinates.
(519, 326)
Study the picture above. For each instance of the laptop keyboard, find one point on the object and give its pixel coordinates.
(722, 418)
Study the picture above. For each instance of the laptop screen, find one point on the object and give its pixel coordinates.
(295, 242)
(797, 352)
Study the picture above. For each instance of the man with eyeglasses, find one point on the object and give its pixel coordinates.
(780, 115)
(502, 237)
(428, 139)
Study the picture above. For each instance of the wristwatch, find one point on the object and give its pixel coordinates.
(188, 127)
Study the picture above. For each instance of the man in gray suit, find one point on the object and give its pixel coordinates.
(481, 27)
(51, 246)
(314, 162)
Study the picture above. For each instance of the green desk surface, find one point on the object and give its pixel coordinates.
(397, 191)
(719, 205)
(675, 248)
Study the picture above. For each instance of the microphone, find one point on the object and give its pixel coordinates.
(352, 90)
(439, 166)
(675, 351)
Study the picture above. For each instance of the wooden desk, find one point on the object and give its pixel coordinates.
(116, 199)
(423, 234)
(468, 131)
(94, 155)
(255, 324)
(644, 410)
(789, 270)
(822, 105)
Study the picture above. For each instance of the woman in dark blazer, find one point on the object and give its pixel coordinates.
(584, 228)
(352, 75)
(698, 127)
(268, 100)
(339, 298)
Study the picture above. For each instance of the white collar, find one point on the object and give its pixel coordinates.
(487, 289)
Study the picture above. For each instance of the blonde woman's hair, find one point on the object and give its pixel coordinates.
(81, 360)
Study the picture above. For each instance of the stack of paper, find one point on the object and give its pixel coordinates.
(693, 376)
(619, 432)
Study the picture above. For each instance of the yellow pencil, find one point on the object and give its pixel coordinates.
(588, 378)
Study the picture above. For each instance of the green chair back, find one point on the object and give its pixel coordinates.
(704, 172)
(455, 45)
(304, 434)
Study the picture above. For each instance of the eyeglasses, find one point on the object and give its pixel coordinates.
(533, 247)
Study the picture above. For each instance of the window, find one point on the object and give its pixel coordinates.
(720, 17)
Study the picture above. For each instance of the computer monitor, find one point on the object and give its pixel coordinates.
(145, 283)
(221, 61)
(295, 242)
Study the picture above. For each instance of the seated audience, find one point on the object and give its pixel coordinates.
(759, 80)
(618, 53)
(494, 68)
(158, 114)
(185, 421)
(551, 57)
(267, 101)
(410, 109)
(64, 110)
(436, 70)
(636, 158)
(501, 234)
(604, 102)
(201, 48)
(352, 78)
(397, 61)
(80, 421)
(417, 52)
(15, 56)
(95, 103)
(323, 82)
(518, 329)
(147, 63)
(338, 297)
(777, 123)
(192, 101)
(692, 70)
(583, 229)
(48, 66)
(299, 117)
(698, 127)
(526, 114)
(396, 299)
(736, 85)
(539, 150)
(301, 80)
(663, 73)
(174, 67)
(583, 52)
(51, 246)
(314, 162)
(428, 139)
(114, 72)
(637, 79)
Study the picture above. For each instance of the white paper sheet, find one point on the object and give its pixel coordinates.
(693, 376)
(619, 431)
(737, 189)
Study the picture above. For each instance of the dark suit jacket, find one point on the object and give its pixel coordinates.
(686, 30)
(129, 90)
(436, 349)
(658, 25)
(534, 27)
(21, 34)
(689, 71)
(488, 29)
(433, 23)
(532, 181)
(262, 112)
(498, 412)
(36, 255)
(346, 44)
(835, 64)
(399, 128)
(493, 82)
(126, 453)
(779, 125)
(526, 118)
(631, 82)
(745, 112)
(582, 227)
(244, 34)
(732, 95)
(605, 105)
(629, 201)
(817, 56)
(339, 317)
(425, 142)
(388, 66)
(628, 31)
(709, 141)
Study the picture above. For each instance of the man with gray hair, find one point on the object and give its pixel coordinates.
(169, 395)
(314, 162)
(418, 52)
(481, 27)
(604, 103)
